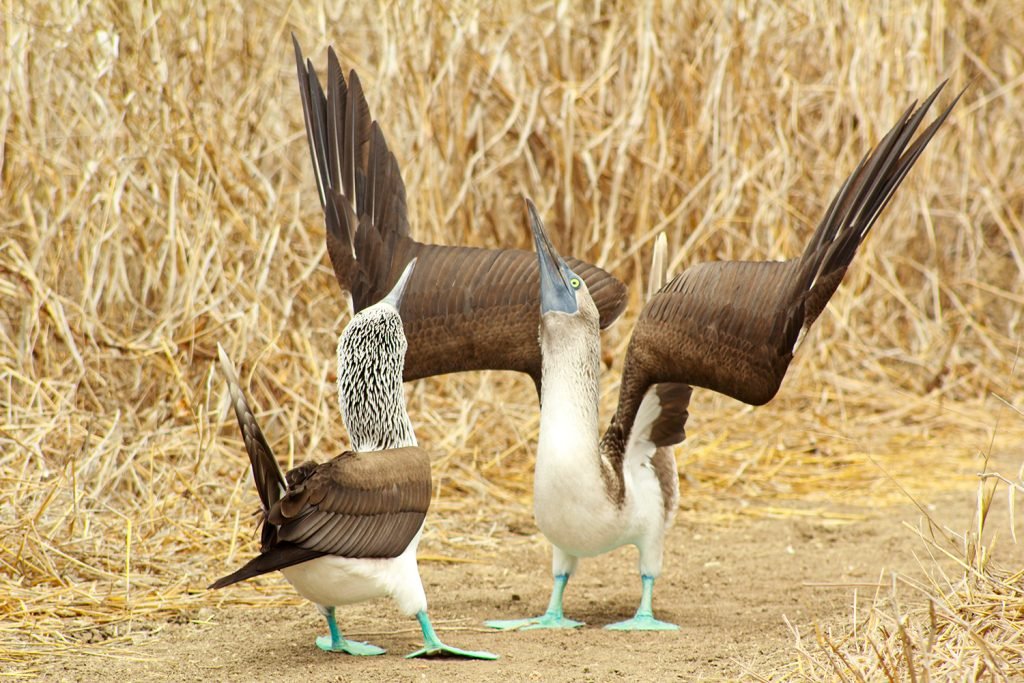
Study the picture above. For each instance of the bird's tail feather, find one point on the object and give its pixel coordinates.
(280, 557)
(270, 481)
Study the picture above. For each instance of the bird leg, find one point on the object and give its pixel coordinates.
(644, 619)
(552, 618)
(337, 643)
(432, 645)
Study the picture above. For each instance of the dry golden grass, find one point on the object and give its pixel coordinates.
(155, 198)
(961, 624)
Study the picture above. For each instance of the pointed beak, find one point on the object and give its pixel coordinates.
(394, 297)
(555, 292)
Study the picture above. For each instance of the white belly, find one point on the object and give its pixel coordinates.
(575, 513)
(573, 510)
(332, 580)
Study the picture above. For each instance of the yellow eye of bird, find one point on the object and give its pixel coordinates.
(575, 282)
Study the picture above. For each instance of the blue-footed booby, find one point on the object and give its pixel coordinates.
(731, 327)
(346, 530)
(466, 308)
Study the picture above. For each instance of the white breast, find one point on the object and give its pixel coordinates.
(569, 500)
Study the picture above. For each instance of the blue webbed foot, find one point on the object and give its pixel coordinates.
(442, 650)
(338, 643)
(642, 622)
(546, 621)
(644, 619)
(351, 647)
(552, 618)
(433, 647)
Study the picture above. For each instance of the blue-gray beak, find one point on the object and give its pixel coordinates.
(556, 294)
(394, 297)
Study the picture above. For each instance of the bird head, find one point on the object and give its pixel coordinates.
(564, 297)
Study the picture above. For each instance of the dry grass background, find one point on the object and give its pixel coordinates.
(155, 198)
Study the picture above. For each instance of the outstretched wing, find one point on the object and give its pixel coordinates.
(465, 308)
(732, 326)
(660, 421)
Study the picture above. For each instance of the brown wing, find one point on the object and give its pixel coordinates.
(356, 505)
(479, 309)
(732, 326)
(465, 308)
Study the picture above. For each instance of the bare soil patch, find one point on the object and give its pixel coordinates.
(737, 590)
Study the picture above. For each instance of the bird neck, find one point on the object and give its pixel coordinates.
(372, 402)
(570, 366)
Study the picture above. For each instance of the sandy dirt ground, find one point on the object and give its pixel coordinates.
(737, 590)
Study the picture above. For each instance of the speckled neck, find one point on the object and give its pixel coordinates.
(371, 359)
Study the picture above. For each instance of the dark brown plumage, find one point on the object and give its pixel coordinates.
(358, 505)
(465, 308)
(731, 326)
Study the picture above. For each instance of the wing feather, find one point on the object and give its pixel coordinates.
(732, 326)
(487, 299)
(358, 504)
